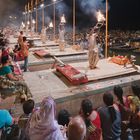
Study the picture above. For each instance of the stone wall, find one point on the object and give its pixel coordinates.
(73, 104)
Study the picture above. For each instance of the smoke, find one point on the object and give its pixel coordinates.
(9, 8)
(90, 7)
(61, 9)
(85, 11)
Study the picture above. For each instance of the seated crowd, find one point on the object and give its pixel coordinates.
(118, 119)
(11, 80)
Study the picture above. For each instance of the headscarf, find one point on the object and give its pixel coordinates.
(42, 125)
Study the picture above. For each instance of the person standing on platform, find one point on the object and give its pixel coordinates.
(93, 51)
(61, 37)
(43, 35)
(20, 38)
(25, 53)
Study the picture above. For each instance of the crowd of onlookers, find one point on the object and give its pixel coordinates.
(115, 37)
(118, 119)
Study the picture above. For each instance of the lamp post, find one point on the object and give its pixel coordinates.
(36, 16)
(31, 11)
(74, 22)
(106, 38)
(33, 26)
(43, 19)
(54, 20)
(28, 11)
(62, 33)
(24, 16)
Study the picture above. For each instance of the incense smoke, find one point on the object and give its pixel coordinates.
(90, 7)
(9, 8)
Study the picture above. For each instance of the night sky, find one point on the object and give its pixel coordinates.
(123, 14)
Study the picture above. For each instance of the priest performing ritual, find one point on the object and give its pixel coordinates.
(93, 55)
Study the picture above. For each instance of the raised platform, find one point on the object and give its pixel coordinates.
(47, 83)
(69, 55)
(105, 69)
(48, 43)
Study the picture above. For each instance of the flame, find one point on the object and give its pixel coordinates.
(28, 22)
(51, 25)
(23, 25)
(33, 21)
(100, 16)
(63, 20)
(10, 17)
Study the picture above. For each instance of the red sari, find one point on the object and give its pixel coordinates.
(96, 134)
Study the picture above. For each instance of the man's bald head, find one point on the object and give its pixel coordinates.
(76, 129)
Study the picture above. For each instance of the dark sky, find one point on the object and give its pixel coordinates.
(124, 14)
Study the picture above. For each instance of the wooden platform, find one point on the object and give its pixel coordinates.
(56, 52)
(69, 55)
(68, 51)
(48, 43)
(105, 69)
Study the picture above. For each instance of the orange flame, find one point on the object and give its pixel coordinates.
(63, 20)
(51, 25)
(100, 16)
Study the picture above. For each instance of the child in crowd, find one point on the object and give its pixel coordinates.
(63, 120)
(28, 107)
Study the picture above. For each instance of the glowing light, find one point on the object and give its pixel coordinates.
(100, 16)
(10, 17)
(28, 22)
(24, 13)
(29, 11)
(54, 0)
(23, 25)
(51, 25)
(63, 20)
(42, 5)
(33, 21)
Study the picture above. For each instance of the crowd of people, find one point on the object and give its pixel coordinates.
(115, 37)
(118, 119)
(103, 123)
(11, 83)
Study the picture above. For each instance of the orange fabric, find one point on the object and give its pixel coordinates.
(24, 49)
(121, 60)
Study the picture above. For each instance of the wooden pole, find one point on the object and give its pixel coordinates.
(36, 16)
(31, 12)
(25, 15)
(43, 18)
(73, 22)
(106, 44)
(54, 21)
(28, 11)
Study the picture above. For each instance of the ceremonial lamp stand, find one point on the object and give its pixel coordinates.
(43, 32)
(62, 33)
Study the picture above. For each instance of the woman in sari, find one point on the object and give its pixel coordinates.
(42, 124)
(92, 120)
(9, 81)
